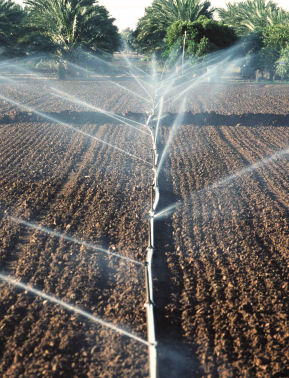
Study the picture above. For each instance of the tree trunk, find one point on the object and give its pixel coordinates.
(61, 71)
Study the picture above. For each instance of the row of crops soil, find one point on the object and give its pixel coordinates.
(221, 265)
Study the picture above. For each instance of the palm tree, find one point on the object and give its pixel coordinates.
(11, 16)
(252, 15)
(72, 24)
(181, 10)
(151, 29)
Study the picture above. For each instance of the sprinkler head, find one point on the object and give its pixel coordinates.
(152, 214)
(146, 305)
(149, 248)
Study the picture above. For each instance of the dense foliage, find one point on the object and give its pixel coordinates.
(128, 39)
(11, 18)
(69, 25)
(181, 10)
(63, 29)
(252, 15)
(152, 28)
(275, 39)
(264, 49)
(265, 30)
(202, 37)
(59, 28)
(276, 36)
(282, 64)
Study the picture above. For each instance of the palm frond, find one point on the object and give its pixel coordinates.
(70, 24)
(250, 15)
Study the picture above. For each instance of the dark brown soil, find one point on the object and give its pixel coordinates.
(226, 295)
(221, 266)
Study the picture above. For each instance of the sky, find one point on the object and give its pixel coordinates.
(127, 12)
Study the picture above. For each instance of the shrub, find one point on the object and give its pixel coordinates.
(282, 64)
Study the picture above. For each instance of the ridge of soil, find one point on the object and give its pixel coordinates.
(221, 262)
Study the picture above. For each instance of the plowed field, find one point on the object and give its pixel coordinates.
(221, 265)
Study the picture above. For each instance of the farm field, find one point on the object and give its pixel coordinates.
(221, 262)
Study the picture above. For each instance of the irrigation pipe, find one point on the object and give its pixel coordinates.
(155, 197)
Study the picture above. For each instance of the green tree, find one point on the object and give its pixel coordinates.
(69, 25)
(151, 29)
(202, 37)
(282, 64)
(275, 39)
(181, 10)
(264, 48)
(276, 36)
(128, 39)
(252, 15)
(11, 16)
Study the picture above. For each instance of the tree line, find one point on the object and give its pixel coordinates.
(64, 29)
(260, 26)
(58, 27)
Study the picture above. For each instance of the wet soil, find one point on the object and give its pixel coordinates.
(221, 265)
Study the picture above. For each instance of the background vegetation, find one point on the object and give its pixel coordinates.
(202, 37)
(65, 30)
(264, 30)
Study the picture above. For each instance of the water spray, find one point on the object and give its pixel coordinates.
(130, 91)
(173, 131)
(66, 96)
(161, 89)
(110, 81)
(121, 119)
(72, 239)
(250, 168)
(165, 212)
(71, 308)
(67, 125)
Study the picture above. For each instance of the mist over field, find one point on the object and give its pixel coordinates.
(144, 225)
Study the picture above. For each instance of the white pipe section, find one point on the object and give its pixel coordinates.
(153, 358)
(157, 198)
(152, 231)
(150, 280)
(159, 118)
